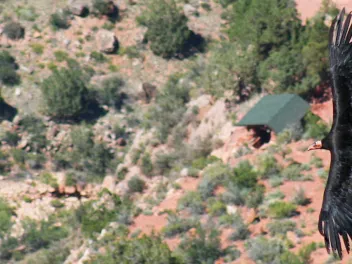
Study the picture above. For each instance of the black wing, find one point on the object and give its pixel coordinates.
(341, 66)
(335, 220)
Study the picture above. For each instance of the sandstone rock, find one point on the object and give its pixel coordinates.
(184, 172)
(37, 34)
(78, 8)
(148, 92)
(70, 189)
(22, 144)
(109, 183)
(250, 216)
(67, 42)
(121, 142)
(61, 136)
(53, 132)
(231, 209)
(189, 10)
(17, 92)
(16, 120)
(106, 41)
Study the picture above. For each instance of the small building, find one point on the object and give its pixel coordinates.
(274, 113)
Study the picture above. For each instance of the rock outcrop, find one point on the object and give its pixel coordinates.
(106, 41)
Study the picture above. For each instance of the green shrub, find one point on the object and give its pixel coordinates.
(306, 251)
(131, 52)
(206, 6)
(255, 196)
(49, 179)
(317, 162)
(100, 160)
(19, 156)
(302, 257)
(37, 48)
(244, 175)
(164, 162)
(281, 209)
(176, 225)
(61, 55)
(289, 134)
(119, 131)
(213, 176)
(216, 207)
(88, 156)
(202, 162)
(276, 181)
(281, 227)
(7, 247)
(110, 93)
(267, 166)
(314, 126)
(289, 57)
(147, 165)
(204, 247)
(135, 184)
(14, 30)
(5, 165)
(98, 57)
(11, 138)
(227, 60)
(42, 234)
(242, 151)
(60, 20)
(231, 254)
(292, 172)
(170, 107)
(8, 67)
(105, 7)
(262, 250)
(94, 215)
(146, 249)
(300, 198)
(136, 155)
(65, 94)
(26, 13)
(323, 174)
(168, 32)
(57, 253)
(57, 203)
(241, 229)
(192, 201)
(5, 217)
(108, 26)
(27, 199)
(70, 179)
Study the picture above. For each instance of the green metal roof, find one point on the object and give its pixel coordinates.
(276, 111)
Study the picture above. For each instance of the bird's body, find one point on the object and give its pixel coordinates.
(335, 220)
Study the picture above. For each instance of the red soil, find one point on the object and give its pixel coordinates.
(308, 8)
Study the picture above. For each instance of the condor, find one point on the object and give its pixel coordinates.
(335, 220)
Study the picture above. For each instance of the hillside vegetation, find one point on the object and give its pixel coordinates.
(118, 136)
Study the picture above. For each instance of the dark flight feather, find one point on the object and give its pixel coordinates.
(335, 220)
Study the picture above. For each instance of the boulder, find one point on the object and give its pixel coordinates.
(109, 183)
(184, 172)
(148, 92)
(69, 189)
(231, 209)
(121, 142)
(107, 41)
(189, 10)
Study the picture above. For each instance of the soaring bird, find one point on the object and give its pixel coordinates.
(335, 219)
